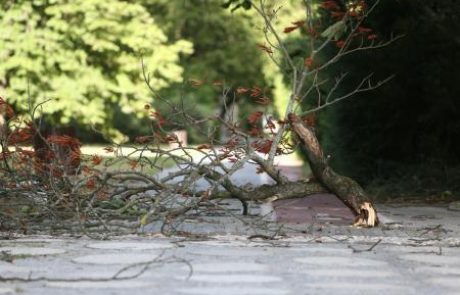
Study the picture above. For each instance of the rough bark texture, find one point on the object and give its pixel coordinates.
(269, 193)
(346, 189)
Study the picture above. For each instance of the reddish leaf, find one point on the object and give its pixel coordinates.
(196, 83)
(330, 5)
(372, 37)
(263, 100)
(241, 90)
(254, 117)
(159, 118)
(86, 170)
(133, 164)
(353, 13)
(288, 30)
(337, 15)
(299, 23)
(96, 160)
(25, 153)
(204, 146)
(64, 140)
(255, 132)
(6, 108)
(256, 91)
(91, 183)
(75, 156)
(309, 62)
(262, 146)
(22, 135)
(109, 149)
(232, 143)
(310, 120)
(143, 139)
(5, 155)
(340, 43)
(364, 30)
(265, 48)
(171, 138)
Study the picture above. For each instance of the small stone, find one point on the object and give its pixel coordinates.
(106, 259)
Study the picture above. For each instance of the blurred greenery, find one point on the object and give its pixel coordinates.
(85, 56)
(225, 56)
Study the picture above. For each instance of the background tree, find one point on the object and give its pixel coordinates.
(85, 56)
(225, 56)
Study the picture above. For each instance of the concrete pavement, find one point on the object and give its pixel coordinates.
(315, 251)
(313, 263)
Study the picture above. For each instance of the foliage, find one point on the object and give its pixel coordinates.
(85, 56)
(414, 120)
(225, 56)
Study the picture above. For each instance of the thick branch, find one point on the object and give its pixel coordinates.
(346, 189)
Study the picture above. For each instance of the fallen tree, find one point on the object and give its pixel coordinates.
(101, 191)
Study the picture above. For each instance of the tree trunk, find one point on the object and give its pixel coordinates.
(346, 189)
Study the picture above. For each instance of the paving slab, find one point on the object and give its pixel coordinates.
(126, 258)
(316, 208)
(309, 248)
(227, 264)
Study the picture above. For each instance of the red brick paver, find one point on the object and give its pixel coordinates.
(317, 208)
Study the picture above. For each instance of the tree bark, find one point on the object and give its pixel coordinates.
(346, 189)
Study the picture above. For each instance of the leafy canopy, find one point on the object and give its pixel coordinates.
(85, 56)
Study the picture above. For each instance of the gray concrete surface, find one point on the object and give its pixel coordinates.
(417, 251)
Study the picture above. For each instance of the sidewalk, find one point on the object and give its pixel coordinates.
(415, 251)
(318, 208)
(314, 263)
